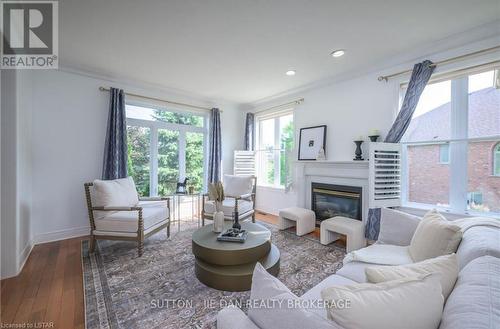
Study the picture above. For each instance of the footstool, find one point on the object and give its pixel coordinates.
(303, 219)
(353, 229)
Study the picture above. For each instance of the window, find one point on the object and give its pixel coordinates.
(165, 147)
(275, 142)
(425, 147)
(458, 122)
(444, 153)
(496, 160)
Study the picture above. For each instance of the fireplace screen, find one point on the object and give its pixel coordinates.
(336, 200)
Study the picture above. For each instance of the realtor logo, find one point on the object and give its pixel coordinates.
(30, 35)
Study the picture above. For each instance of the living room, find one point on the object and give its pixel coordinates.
(332, 142)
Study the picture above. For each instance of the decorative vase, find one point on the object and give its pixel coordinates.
(373, 138)
(358, 152)
(218, 218)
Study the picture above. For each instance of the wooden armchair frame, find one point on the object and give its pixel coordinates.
(248, 197)
(140, 231)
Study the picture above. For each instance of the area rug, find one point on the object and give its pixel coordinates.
(160, 290)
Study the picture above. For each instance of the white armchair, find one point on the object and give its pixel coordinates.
(239, 192)
(116, 212)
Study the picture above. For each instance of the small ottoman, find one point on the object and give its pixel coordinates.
(303, 219)
(353, 229)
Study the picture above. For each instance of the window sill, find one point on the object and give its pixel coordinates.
(422, 208)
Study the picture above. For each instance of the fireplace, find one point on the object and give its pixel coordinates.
(328, 200)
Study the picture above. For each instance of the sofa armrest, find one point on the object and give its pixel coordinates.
(397, 227)
(232, 317)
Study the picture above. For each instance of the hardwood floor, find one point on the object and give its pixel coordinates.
(48, 293)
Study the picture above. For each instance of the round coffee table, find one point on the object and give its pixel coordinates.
(229, 266)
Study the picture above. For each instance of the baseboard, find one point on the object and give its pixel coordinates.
(23, 257)
(43, 238)
(265, 212)
(61, 235)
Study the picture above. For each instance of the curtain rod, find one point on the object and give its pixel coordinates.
(295, 102)
(162, 100)
(446, 61)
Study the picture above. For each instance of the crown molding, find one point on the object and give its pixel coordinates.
(152, 89)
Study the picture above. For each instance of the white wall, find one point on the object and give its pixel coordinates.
(16, 171)
(69, 117)
(8, 188)
(233, 134)
(24, 165)
(354, 107)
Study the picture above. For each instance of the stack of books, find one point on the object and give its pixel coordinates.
(233, 235)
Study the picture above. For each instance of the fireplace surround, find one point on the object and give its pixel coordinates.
(329, 200)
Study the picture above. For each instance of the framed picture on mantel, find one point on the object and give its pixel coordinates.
(311, 140)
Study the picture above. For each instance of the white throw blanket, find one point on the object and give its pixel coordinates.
(386, 254)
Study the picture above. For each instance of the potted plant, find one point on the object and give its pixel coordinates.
(216, 193)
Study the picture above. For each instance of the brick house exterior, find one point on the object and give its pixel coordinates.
(429, 178)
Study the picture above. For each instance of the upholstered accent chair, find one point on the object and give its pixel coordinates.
(239, 192)
(117, 213)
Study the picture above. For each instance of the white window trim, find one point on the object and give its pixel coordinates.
(182, 129)
(496, 149)
(440, 149)
(458, 153)
(265, 116)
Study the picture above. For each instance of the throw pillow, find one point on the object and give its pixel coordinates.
(237, 185)
(397, 227)
(446, 266)
(411, 303)
(115, 193)
(434, 236)
(274, 306)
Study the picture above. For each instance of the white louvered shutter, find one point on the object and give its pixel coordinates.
(244, 163)
(384, 175)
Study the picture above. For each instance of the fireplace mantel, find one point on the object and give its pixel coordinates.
(350, 173)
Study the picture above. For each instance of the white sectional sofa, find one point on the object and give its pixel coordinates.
(473, 303)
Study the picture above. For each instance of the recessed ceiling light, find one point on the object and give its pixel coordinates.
(290, 72)
(338, 53)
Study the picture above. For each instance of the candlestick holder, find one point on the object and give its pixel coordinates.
(236, 224)
(358, 153)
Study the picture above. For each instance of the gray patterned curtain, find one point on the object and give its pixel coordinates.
(215, 155)
(249, 129)
(419, 77)
(115, 147)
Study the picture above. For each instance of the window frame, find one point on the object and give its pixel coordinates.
(458, 148)
(441, 161)
(496, 160)
(182, 129)
(275, 115)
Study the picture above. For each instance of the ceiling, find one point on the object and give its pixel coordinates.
(239, 50)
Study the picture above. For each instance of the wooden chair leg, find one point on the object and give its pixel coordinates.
(92, 242)
(140, 247)
(168, 230)
(253, 217)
